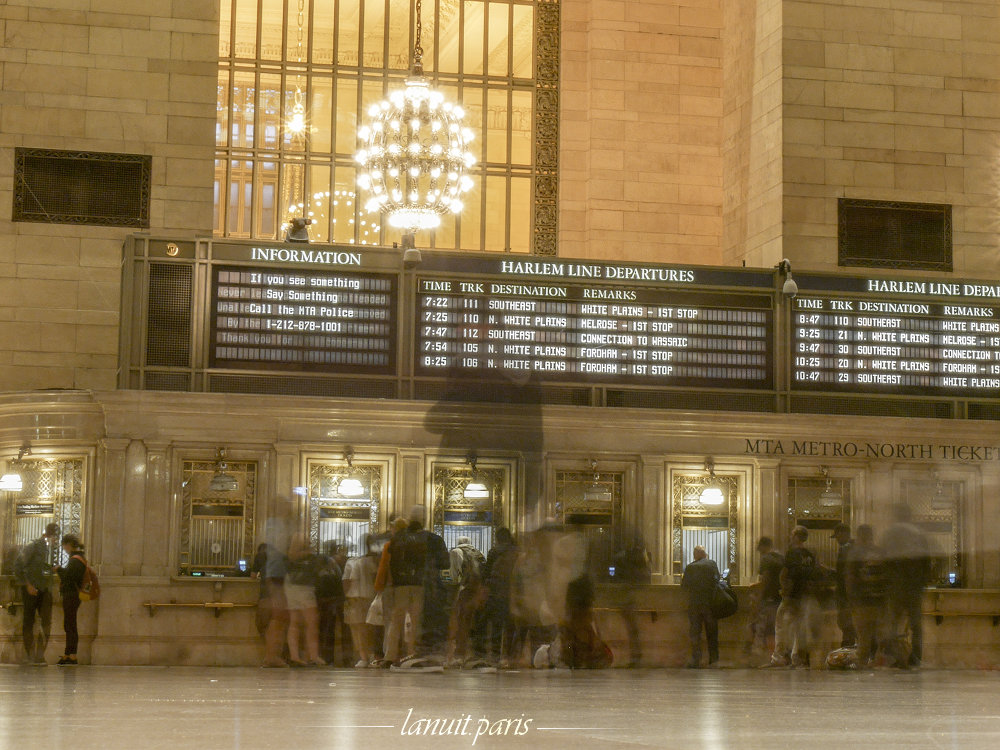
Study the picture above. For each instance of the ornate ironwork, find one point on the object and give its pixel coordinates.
(196, 484)
(546, 213)
(60, 192)
(937, 509)
(571, 493)
(686, 506)
(449, 494)
(804, 496)
(325, 478)
(52, 493)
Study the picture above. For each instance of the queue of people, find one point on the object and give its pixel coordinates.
(876, 590)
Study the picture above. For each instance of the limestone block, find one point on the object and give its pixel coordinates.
(858, 96)
(804, 53)
(125, 84)
(981, 104)
(53, 37)
(875, 135)
(909, 99)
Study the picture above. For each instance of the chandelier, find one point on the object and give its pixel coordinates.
(414, 152)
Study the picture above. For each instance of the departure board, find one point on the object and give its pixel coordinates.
(493, 328)
(915, 337)
(311, 320)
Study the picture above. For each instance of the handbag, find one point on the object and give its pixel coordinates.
(375, 614)
(724, 602)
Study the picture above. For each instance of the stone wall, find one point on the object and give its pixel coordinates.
(640, 157)
(101, 75)
(891, 100)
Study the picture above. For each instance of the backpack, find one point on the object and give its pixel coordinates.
(90, 587)
(473, 563)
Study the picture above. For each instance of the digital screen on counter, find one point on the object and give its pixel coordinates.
(568, 331)
(309, 320)
(893, 344)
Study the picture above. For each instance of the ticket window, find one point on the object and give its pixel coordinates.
(218, 502)
(51, 492)
(590, 502)
(936, 507)
(700, 519)
(819, 503)
(468, 501)
(344, 503)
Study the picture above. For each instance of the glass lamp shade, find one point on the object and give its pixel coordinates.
(11, 483)
(223, 482)
(350, 487)
(476, 490)
(711, 495)
(830, 498)
(413, 157)
(597, 493)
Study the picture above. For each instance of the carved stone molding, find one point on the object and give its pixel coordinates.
(546, 219)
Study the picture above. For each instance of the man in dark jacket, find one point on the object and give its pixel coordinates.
(33, 572)
(700, 580)
(848, 635)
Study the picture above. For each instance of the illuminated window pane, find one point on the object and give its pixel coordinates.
(269, 111)
(319, 203)
(399, 36)
(523, 42)
(273, 16)
(347, 42)
(520, 215)
(471, 217)
(496, 214)
(343, 200)
(222, 111)
(444, 235)
(321, 115)
(472, 59)
(497, 52)
(246, 29)
(225, 22)
(323, 33)
(496, 126)
(521, 128)
(347, 119)
(448, 38)
(373, 40)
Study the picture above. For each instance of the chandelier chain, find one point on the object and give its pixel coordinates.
(418, 51)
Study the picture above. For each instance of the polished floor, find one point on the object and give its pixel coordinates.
(150, 708)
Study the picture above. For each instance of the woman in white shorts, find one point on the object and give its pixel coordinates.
(303, 614)
(359, 588)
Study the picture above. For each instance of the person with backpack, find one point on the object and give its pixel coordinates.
(468, 566)
(70, 582)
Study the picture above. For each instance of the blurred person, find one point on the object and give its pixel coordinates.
(493, 633)
(386, 586)
(701, 577)
(257, 569)
(908, 566)
(33, 573)
(580, 644)
(70, 581)
(425, 556)
(631, 569)
(330, 603)
(797, 617)
(767, 595)
(848, 636)
(359, 588)
(300, 593)
(866, 592)
(527, 599)
(467, 568)
(274, 570)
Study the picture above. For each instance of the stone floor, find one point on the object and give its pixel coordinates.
(176, 708)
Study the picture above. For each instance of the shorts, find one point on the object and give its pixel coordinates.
(300, 597)
(356, 609)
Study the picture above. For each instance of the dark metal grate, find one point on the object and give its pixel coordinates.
(884, 234)
(878, 407)
(168, 381)
(501, 393)
(983, 411)
(636, 399)
(168, 327)
(81, 187)
(285, 385)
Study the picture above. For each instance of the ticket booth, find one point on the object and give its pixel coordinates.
(345, 497)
